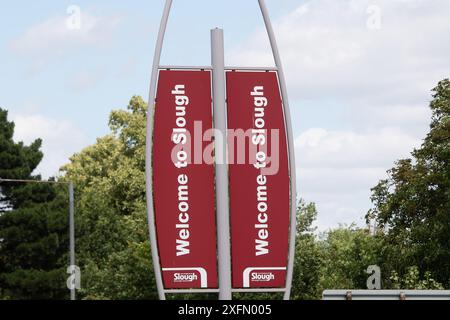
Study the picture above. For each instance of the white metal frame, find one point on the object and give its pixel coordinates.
(225, 289)
(149, 150)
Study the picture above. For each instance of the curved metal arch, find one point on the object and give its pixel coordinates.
(149, 146)
(290, 142)
(149, 150)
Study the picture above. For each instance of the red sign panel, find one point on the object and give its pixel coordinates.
(259, 180)
(184, 196)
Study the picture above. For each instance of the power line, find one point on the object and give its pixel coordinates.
(32, 181)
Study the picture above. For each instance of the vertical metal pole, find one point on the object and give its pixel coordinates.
(290, 138)
(72, 235)
(222, 201)
(149, 146)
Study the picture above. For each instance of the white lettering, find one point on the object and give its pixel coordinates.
(261, 247)
(259, 138)
(180, 137)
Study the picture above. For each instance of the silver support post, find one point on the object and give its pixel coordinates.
(290, 141)
(149, 146)
(72, 235)
(221, 167)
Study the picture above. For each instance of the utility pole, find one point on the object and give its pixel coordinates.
(72, 236)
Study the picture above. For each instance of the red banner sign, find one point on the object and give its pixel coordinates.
(184, 196)
(259, 180)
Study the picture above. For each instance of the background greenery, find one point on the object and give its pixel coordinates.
(408, 237)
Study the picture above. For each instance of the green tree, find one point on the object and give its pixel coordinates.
(348, 251)
(33, 224)
(411, 280)
(17, 161)
(308, 255)
(413, 204)
(112, 234)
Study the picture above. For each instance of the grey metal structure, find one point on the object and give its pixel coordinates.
(221, 166)
(148, 150)
(226, 68)
(72, 235)
(290, 144)
(223, 232)
(386, 295)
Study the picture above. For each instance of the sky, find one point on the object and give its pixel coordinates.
(359, 76)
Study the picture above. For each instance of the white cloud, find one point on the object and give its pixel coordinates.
(61, 139)
(337, 149)
(411, 119)
(328, 50)
(336, 169)
(53, 38)
(380, 79)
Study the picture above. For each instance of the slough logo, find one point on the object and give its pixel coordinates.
(262, 276)
(189, 275)
(184, 277)
(259, 274)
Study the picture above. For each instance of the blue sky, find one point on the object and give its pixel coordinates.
(359, 76)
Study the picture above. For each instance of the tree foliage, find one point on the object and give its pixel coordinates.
(413, 204)
(33, 224)
(113, 248)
